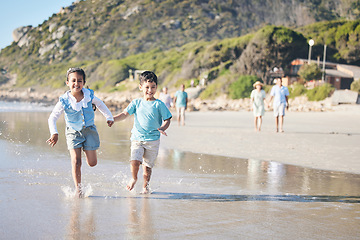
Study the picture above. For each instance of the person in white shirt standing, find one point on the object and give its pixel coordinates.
(165, 97)
(280, 94)
(81, 132)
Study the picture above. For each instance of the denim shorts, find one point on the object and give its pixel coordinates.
(87, 138)
(145, 151)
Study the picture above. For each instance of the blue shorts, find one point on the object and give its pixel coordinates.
(87, 138)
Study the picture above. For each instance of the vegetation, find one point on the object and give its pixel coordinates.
(242, 87)
(320, 93)
(309, 72)
(355, 86)
(181, 40)
(297, 89)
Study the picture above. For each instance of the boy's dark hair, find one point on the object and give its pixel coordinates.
(77, 70)
(148, 76)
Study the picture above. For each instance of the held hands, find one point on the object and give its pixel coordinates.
(110, 123)
(53, 140)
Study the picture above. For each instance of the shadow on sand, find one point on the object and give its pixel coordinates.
(241, 198)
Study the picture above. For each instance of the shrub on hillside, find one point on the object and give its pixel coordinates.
(320, 93)
(297, 89)
(242, 87)
(310, 72)
(355, 86)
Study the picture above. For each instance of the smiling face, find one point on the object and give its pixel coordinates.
(149, 90)
(75, 82)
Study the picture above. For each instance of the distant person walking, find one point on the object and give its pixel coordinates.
(280, 94)
(165, 97)
(180, 101)
(258, 99)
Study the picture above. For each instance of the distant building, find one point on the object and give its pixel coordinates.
(339, 75)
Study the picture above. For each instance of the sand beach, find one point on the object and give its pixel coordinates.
(214, 178)
(321, 140)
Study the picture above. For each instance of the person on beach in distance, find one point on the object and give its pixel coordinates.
(151, 118)
(180, 101)
(165, 97)
(280, 94)
(81, 133)
(258, 99)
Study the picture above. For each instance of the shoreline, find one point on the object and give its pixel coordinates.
(119, 100)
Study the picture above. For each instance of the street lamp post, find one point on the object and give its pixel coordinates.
(323, 69)
(311, 43)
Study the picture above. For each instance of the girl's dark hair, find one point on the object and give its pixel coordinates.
(77, 70)
(148, 76)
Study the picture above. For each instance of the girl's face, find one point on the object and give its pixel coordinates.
(149, 90)
(258, 87)
(75, 82)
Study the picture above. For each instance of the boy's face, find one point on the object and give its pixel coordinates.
(75, 82)
(149, 90)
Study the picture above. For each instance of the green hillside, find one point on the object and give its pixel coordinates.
(179, 40)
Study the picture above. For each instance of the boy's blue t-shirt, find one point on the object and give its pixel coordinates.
(149, 116)
(181, 98)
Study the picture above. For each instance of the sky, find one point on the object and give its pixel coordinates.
(17, 13)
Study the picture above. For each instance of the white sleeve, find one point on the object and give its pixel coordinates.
(103, 109)
(54, 116)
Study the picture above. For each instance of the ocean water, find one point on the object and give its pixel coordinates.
(194, 196)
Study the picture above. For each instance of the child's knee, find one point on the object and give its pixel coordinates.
(135, 163)
(92, 164)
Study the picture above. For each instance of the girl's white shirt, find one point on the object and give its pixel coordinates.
(77, 106)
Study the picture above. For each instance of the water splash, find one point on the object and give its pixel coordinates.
(71, 192)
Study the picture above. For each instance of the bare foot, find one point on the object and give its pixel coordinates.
(146, 190)
(131, 184)
(281, 130)
(79, 193)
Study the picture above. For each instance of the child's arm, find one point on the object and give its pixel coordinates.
(164, 126)
(104, 110)
(54, 116)
(121, 116)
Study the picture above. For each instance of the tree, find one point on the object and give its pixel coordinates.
(310, 72)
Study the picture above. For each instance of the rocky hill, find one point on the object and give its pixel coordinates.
(179, 39)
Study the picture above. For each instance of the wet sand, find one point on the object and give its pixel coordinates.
(195, 195)
(320, 140)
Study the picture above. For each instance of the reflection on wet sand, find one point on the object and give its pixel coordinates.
(195, 195)
(140, 222)
(82, 222)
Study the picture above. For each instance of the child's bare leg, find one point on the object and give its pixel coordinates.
(91, 157)
(277, 123)
(147, 175)
(134, 166)
(76, 168)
